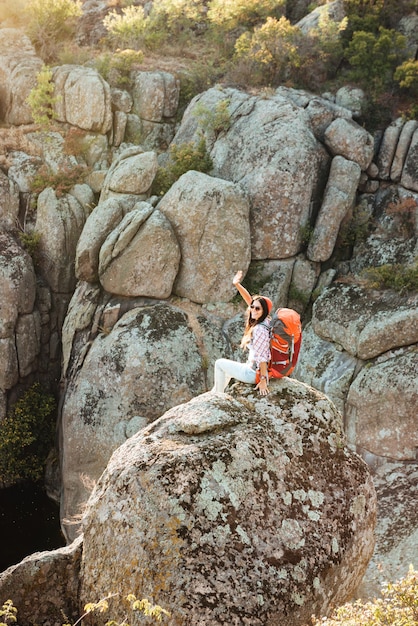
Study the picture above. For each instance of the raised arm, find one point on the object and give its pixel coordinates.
(243, 292)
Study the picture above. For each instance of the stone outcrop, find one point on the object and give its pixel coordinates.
(60, 220)
(141, 256)
(44, 586)
(82, 98)
(339, 198)
(365, 323)
(360, 350)
(9, 202)
(348, 139)
(233, 510)
(276, 135)
(19, 320)
(381, 407)
(210, 219)
(147, 363)
(19, 67)
(396, 529)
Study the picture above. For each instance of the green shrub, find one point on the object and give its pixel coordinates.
(126, 30)
(199, 76)
(243, 13)
(187, 156)
(41, 99)
(373, 58)
(26, 436)
(179, 15)
(407, 76)
(49, 22)
(271, 51)
(8, 612)
(216, 119)
(392, 276)
(116, 67)
(30, 242)
(61, 181)
(154, 611)
(397, 607)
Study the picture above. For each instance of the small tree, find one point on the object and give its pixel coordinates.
(26, 436)
(239, 13)
(41, 98)
(407, 76)
(272, 50)
(49, 22)
(126, 30)
(374, 57)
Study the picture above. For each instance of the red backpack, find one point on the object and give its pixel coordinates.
(285, 342)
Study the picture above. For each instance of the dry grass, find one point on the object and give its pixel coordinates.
(14, 139)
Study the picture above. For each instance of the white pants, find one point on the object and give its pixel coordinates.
(226, 369)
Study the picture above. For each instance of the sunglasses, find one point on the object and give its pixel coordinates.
(256, 308)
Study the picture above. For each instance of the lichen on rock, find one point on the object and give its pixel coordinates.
(234, 510)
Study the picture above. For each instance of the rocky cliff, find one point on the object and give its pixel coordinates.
(128, 300)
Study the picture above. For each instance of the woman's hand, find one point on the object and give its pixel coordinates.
(237, 278)
(263, 387)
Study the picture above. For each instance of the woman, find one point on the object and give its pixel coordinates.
(256, 339)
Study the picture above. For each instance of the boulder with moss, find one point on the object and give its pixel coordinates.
(210, 219)
(82, 98)
(19, 320)
(19, 67)
(274, 134)
(141, 256)
(44, 586)
(233, 509)
(129, 375)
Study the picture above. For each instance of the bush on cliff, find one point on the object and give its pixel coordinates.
(398, 606)
(26, 436)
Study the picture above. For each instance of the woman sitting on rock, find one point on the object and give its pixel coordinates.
(256, 339)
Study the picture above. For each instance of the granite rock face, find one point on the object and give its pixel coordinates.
(44, 586)
(233, 510)
(128, 377)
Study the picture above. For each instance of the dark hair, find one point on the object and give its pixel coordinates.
(250, 322)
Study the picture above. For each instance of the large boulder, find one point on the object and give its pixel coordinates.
(9, 202)
(381, 408)
(388, 147)
(346, 138)
(131, 173)
(396, 529)
(210, 219)
(267, 145)
(365, 322)
(339, 198)
(155, 100)
(99, 224)
(19, 67)
(409, 177)
(82, 98)
(18, 293)
(60, 220)
(44, 586)
(233, 510)
(155, 95)
(148, 362)
(141, 256)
